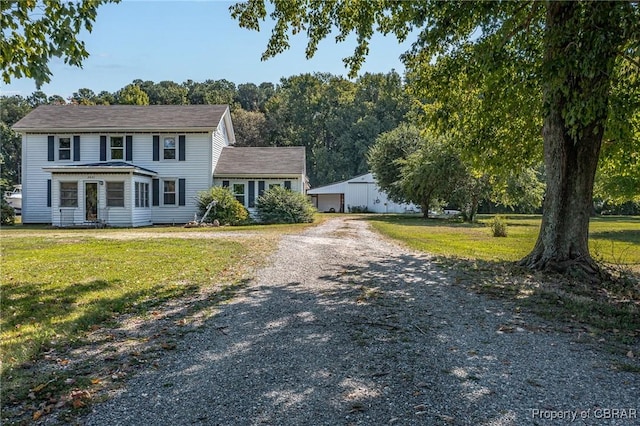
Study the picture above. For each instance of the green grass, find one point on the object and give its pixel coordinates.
(486, 264)
(55, 288)
(613, 240)
(57, 283)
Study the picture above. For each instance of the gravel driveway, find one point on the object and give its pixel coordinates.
(347, 328)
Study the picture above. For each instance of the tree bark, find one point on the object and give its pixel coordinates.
(572, 132)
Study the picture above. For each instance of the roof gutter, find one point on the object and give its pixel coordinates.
(153, 130)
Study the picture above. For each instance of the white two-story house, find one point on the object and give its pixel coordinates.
(125, 165)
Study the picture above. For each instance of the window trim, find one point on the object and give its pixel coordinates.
(111, 148)
(242, 194)
(107, 185)
(141, 194)
(69, 149)
(175, 192)
(74, 203)
(163, 149)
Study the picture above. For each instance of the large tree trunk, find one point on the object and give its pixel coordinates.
(580, 43)
(563, 242)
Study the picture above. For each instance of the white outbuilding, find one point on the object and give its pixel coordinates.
(357, 194)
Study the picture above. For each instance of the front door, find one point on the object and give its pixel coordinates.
(91, 201)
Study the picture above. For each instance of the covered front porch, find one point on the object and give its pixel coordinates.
(99, 195)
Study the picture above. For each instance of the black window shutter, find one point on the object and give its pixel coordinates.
(252, 193)
(260, 188)
(182, 145)
(51, 148)
(155, 192)
(129, 148)
(225, 183)
(76, 148)
(182, 189)
(48, 192)
(156, 148)
(287, 184)
(103, 148)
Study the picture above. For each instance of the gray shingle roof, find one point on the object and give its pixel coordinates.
(122, 117)
(247, 161)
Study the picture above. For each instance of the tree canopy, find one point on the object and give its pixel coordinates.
(35, 31)
(498, 75)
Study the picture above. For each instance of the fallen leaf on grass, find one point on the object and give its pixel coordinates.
(95, 381)
(78, 398)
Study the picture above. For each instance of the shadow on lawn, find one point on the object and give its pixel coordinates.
(383, 342)
(411, 220)
(94, 351)
(26, 304)
(627, 236)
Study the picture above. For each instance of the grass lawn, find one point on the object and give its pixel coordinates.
(613, 239)
(485, 263)
(59, 285)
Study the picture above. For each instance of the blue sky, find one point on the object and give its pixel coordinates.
(197, 40)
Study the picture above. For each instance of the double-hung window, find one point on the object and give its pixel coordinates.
(169, 148)
(68, 194)
(117, 147)
(169, 192)
(238, 192)
(64, 149)
(115, 194)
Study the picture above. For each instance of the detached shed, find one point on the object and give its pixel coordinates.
(356, 193)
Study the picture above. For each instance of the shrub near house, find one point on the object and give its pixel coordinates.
(227, 210)
(280, 205)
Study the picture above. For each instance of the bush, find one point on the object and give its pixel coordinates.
(499, 226)
(227, 210)
(279, 205)
(7, 214)
(358, 209)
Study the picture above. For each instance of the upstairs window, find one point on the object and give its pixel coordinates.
(169, 149)
(117, 148)
(64, 149)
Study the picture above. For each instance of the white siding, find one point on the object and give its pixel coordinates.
(202, 153)
(219, 140)
(196, 170)
(357, 195)
(141, 215)
(34, 180)
(360, 191)
(113, 216)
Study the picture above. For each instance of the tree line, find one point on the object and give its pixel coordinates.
(334, 118)
(348, 127)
